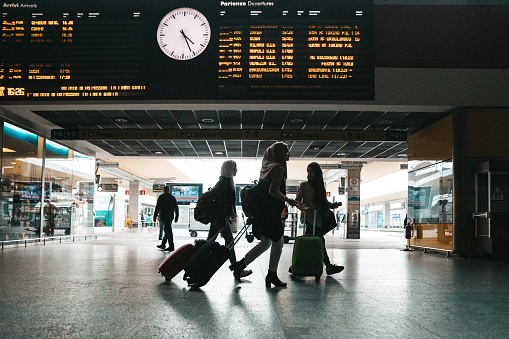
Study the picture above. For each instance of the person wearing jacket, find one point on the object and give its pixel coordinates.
(311, 197)
(267, 224)
(167, 209)
(224, 192)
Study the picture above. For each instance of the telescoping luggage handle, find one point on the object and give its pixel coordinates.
(314, 223)
(239, 234)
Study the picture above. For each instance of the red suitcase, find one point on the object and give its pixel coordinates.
(176, 261)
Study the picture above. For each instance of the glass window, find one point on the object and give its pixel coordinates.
(20, 212)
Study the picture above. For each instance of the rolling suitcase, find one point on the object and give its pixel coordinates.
(307, 257)
(207, 260)
(175, 262)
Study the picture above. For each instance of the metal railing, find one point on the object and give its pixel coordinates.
(43, 240)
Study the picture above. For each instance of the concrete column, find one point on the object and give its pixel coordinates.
(387, 215)
(353, 205)
(135, 202)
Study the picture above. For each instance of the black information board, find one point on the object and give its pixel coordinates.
(64, 50)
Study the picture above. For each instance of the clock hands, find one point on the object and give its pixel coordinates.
(187, 40)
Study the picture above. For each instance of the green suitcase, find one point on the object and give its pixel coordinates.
(307, 258)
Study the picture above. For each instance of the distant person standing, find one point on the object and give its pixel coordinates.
(167, 205)
(50, 211)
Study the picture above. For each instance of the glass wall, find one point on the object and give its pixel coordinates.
(388, 214)
(20, 198)
(38, 172)
(430, 194)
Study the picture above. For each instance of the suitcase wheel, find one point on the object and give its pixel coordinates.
(249, 238)
(317, 278)
(194, 234)
(286, 239)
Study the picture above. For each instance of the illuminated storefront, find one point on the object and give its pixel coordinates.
(36, 172)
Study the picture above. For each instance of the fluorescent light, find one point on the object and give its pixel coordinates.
(8, 150)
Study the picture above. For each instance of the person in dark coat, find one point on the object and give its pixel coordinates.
(224, 192)
(268, 222)
(312, 197)
(167, 209)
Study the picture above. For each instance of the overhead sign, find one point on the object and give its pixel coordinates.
(341, 166)
(158, 187)
(108, 188)
(222, 134)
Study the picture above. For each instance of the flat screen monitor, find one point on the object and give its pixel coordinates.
(186, 193)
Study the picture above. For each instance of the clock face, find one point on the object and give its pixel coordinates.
(183, 34)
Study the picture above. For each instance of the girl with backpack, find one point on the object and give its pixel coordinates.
(267, 224)
(224, 192)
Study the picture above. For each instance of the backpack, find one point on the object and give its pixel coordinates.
(205, 209)
(251, 197)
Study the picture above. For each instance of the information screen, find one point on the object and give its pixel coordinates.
(64, 50)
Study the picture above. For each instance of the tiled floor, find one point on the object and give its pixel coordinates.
(110, 288)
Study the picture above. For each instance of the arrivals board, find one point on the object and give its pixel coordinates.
(164, 50)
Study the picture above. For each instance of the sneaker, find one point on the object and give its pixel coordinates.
(245, 273)
(170, 248)
(160, 246)
(333, 269)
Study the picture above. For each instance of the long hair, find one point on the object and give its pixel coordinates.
(317, 183)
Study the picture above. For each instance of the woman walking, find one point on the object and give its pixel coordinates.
(225, 203)
(311, 196)
(267, 224)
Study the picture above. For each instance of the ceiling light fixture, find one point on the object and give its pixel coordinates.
(340, 154)
(218, 153)
(385, 122)
(402, 155)
(296, 121)
(207, 120)
(120, 120)
(158, 152)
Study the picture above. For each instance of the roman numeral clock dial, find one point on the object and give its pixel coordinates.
(183, 34)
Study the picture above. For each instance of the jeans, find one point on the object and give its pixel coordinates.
(168, 233)
(215, 226)
(262, 246)
(161, 229)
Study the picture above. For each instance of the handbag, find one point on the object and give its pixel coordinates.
(328, 222)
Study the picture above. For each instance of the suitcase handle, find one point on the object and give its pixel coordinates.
(314, 223)
(239, 234)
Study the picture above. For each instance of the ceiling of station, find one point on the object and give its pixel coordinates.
(409, 122)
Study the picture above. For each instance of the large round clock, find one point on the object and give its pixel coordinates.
(183, 34)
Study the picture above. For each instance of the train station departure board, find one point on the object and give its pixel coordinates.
(164, 50)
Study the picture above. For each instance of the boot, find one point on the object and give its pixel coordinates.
(272, 278)
(237, 269)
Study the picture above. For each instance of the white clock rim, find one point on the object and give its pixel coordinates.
(186, 55)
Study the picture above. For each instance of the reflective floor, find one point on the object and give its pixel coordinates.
(110, 288)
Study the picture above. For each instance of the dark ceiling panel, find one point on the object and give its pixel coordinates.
(252, 119)
(163, 118)
(230, 119)
(142, 119)
(274, 119)
(249, 148)
(297, 119)
(341, 119)
(319, 119)
(207, 119)
(186, 119)
(233, 148)
(247, 119)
